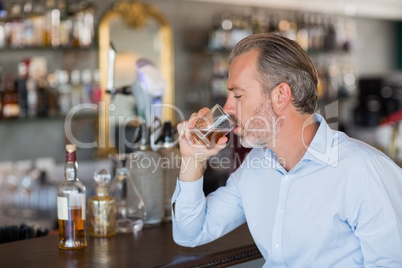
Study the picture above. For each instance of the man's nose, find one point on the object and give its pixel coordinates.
(229, 106)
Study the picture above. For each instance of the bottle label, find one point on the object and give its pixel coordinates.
(62, 208)
(84, 209)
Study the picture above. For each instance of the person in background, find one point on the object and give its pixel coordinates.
(311, 196)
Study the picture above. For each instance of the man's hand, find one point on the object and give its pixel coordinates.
(194, 153)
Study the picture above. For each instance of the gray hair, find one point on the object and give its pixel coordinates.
(283, 60)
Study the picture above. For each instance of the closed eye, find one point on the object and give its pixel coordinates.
(238, 97)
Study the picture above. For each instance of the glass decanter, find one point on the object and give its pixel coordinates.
(130, 210)
(102, 207)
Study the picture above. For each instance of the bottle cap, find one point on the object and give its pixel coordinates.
(102, 178)
(71, 155)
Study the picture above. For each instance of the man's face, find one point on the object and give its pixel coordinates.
(257, 124)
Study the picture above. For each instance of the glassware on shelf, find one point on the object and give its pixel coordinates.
(102, 207)
(12, 182)
(130, 209)
(6, 195)
(28, 182)
(47, 23)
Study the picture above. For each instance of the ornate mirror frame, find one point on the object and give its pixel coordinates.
(135, 14)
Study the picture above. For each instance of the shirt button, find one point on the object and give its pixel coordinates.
(276, 245)
(280, 210)
(287, 177)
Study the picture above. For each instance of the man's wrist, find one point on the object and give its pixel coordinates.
(192, 168)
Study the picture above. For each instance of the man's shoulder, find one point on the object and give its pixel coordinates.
(352, 145)
(355, 150)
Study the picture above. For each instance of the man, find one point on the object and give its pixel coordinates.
(311, 196)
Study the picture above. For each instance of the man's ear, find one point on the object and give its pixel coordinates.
(281, 95)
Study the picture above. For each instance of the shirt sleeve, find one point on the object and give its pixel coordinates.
(376, 212)
(198, 219)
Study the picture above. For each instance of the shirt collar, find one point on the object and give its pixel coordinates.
(320, 147)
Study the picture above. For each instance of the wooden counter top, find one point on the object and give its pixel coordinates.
(152, 247)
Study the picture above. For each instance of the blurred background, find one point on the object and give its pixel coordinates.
(50, 61)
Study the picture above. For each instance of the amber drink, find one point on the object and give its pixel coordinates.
(210, 137)
(72, 231)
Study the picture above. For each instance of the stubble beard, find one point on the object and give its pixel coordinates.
(262, 128)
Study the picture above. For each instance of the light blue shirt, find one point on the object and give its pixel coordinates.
(340, 206)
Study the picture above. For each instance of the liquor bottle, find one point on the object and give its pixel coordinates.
(330, 36)
(53, 94)
(21, 85)
(32, 94)
(52, 36)
(28, 21)
(66, 24)
(86, 76)
(96, 96)
(171, 158)
(302, 30)
(10, 105)
(64, 91)
(76, 88)
(273, 23)
(71, 210)
(73, 9)
(16, 26)
(86, 17)
(43, 98)
(102, 207)
(38, 17)
(255, 22)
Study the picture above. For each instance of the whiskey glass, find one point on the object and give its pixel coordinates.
(213, 126)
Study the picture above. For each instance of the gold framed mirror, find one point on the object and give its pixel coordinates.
(137, 30)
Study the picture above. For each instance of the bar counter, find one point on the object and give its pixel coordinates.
(152, 247)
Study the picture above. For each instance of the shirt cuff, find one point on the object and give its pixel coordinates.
(190, 192)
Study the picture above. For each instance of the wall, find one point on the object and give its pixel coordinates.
(376, 47)
(190, 21)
